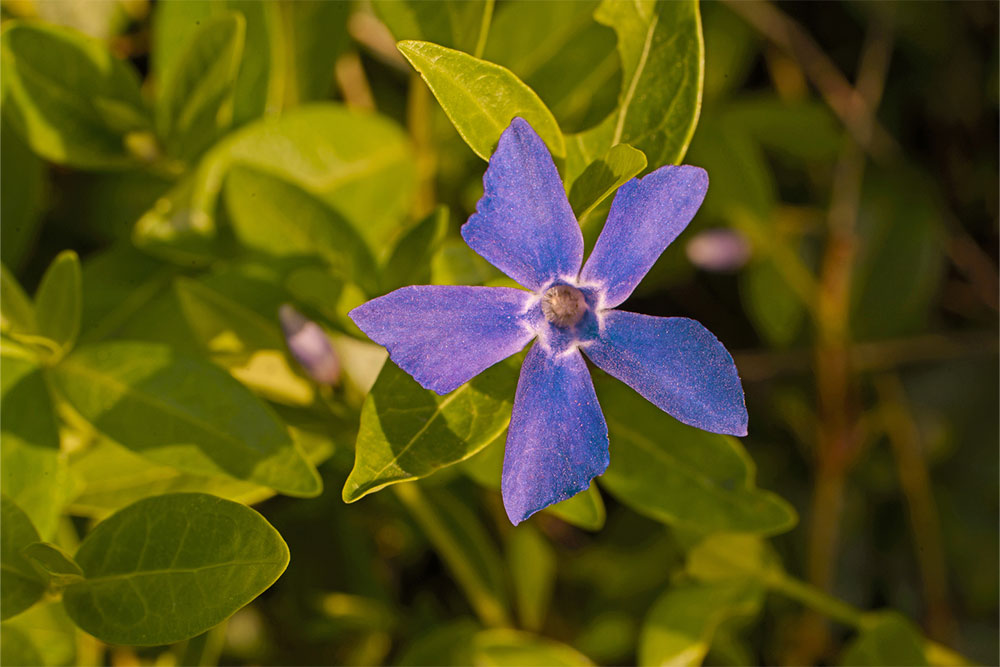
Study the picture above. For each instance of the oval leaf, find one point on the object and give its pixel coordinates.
(680, 475)
(481, 98)
(511, 647)
(170, 567)
(73, 101)
(184, 413)
(408, 432)
(20, 584)
(58, 300)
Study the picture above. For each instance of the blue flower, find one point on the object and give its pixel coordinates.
(443, 336)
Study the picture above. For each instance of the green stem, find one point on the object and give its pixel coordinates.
(484, 28)
(815, 599)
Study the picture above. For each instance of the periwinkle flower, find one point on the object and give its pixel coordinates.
(443, 336)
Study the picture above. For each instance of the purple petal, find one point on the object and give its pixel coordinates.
(676, 364)
(524, 225)
(646, 215)
(557, 440)
(310, 346)
(445, 335)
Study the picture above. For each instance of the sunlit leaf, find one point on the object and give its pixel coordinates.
(59, 567)
(170, 567)
(503, 647)
(58, 301)
(184, 413)
(452, 23)
(17, 312)
(410, 261)
(481, 98)
(69, 97)
(603, 176)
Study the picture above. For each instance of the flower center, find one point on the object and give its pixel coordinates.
(563, 305)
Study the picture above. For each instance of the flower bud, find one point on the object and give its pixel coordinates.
(720, 250)
(310, 346)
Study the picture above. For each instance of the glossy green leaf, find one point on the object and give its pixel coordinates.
(532, 562)
(410, 261)
(20, 584)
(481, 98)
(184, 413)
(33, 471)
(887, 639)
(509, 648)
(58, 301)
(22, 196)
(455, 263)
(17, 312)
(60, 569)
(679, 627)
(603, 176)
(359, 163)
(74, 102)
(276, 217)
(466, 548)
(46, 636)
(195, 104)
(170, 567)
(559, 50)
(681, 475)
(452, 23)
(408, 432)
(662, 57)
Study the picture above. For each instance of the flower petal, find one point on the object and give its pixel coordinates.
(524, 225)
(676, 364)
(445, 335)
(557, 440)
(646, 215)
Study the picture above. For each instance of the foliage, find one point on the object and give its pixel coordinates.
(174, 172)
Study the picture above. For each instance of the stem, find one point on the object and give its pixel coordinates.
(484, 28)
(418, 122)
(817, 600)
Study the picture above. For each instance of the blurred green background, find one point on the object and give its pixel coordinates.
(851, 146)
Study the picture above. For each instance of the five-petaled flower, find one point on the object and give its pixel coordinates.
(443, 336)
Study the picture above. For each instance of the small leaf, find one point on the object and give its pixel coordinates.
(276, 217)
(410, 261)
(195, 104)
(679, 627)
(724, 556)
(170, 567)
(408, 432)
(20, 584)
(33, 471)
(184, 413)
(22, 196)
(603, 176)
(495, 648)
(464, 545)
(481, 98)
(73, 102)
(887, 639)
(17, 312)
(58, 301)
(60, 568)
(681, 475)
(532, 562)
(452, 23)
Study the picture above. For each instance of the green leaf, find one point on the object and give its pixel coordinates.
(455, 263)
(316, 34)
(408, 432)
(170, 567)
(504, 647)
(17, 312)
(60, 568)
(679, 627)
(774, 308)
(603, 176)
(276, 217)
(72, 101)
(360, 163)
(532, 562)
(481, 98)
(724, 556)
(20, 584)
(452, 23)
(681, 475)
(47, 637)
(464, 545)
(195, 105)
(184, 413)
(58, 301)
(33, 471)
(22, 196)
(662, 56)
(561, 53)
(887, 638)
(410, 261)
